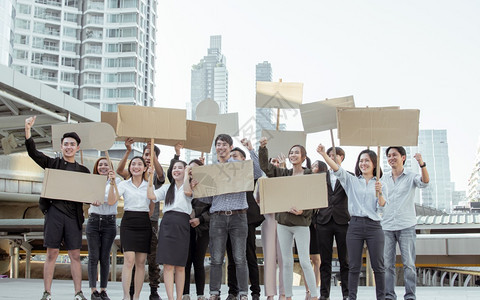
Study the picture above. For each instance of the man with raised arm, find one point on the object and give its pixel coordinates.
(63, 219)
(399, 219)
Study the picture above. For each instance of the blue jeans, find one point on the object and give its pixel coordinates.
(235, 227)
(101, 231)
(406, 241)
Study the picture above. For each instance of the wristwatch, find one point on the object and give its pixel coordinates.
(424, 165)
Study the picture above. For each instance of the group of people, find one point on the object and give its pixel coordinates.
(364, 206)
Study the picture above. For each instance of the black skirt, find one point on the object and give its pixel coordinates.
(135, 232)
(173, 239)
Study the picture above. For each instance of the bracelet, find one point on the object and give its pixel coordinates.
(424, 165)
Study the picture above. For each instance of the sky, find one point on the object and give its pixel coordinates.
(413, 54)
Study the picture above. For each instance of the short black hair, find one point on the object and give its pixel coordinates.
(155, 148)
(72, 135)
(239, 150)
(225, 138)
(338, 151)
(400, 150)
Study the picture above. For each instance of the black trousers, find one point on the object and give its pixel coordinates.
(253, 273)
(196, 256)
(325, 234)
(360, 230)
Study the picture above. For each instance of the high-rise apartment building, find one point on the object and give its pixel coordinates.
(433, 146)
(99, 51)
(7, 19)
(209, 78)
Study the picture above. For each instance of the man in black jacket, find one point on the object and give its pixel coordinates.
(63, 219)
(332, 221)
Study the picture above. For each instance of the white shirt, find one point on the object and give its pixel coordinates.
(105, 209)
(333, 179)
(135, 198)
(400, 212)
(182, 202)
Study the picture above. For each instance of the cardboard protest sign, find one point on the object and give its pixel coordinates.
(223, 178)
(110, 118)
(93, 135)
(226, 123)
(73, 186)
(281, 141)
(378, 126)
(144, 123)
(280, 194)
(279, 94)
(200, 136)
(322, 115)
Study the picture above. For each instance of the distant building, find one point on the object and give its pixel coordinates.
(209, 80)
(473, 192)
(7, 21)
(433, 146)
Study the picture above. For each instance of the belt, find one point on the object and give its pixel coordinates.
(231, 212)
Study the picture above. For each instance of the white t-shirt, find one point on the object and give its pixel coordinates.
(135, 198)
(182, 202)
(105, 209)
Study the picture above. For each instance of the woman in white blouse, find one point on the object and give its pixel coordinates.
(101, 231)
(135, 228)
(363, 205)
(174, 232)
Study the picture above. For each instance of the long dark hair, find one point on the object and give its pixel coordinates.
(373, 158)
(322, 167)
(303, 152)
(170, 196)
(130, 163)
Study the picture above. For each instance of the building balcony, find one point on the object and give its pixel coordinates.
(57, 3)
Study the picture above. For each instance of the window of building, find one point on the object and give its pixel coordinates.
(21, 39)
(22, 24)
(70, 77)
(23, 9)
(68, 31)
(68, 61)
(21, 69)
(20, 54)
(66, 46)
(70, 17)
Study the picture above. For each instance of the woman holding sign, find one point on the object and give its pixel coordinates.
(292, 225)
(175, 226)
(365, 196)
(101, 231)
(135, 229)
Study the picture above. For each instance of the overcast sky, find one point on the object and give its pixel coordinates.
(412, 54)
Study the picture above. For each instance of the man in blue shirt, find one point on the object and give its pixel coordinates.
(229, 219)
(399, 219)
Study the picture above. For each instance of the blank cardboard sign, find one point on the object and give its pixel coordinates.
(223, 178)
(278, 195)
(322, 115)
(281, 141)
(141, 122)
(200, 136)
(286, 95)
(93, 135)
(226, 123)
(73, 186)
(378, 126)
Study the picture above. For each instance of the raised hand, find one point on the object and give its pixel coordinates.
(128, 144)
(247, 143)
(178, 147)
(263, 142)
(321, 149)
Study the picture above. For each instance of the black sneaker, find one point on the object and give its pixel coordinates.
(95, 296)
(154, 296)
(104, 296)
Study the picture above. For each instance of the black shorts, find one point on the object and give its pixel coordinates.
(59, 227)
